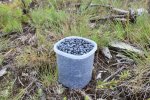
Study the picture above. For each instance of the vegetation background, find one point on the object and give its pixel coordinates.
(29, 29)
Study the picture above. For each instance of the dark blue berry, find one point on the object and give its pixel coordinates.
(75, 46)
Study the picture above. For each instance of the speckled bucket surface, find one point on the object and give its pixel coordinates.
(75, 71)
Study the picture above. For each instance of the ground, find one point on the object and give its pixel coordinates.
(30, 28)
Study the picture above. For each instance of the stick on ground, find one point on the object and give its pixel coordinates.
(113, 75)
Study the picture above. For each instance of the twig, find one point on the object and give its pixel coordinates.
(99, 5)
(92, 5)
(26, 89)
(120, 11)
(121, 19)
(20, 81)
(118, 63)
(117, 10)
(29, 85)
(97, 19)
(88, 5)
(111, 76)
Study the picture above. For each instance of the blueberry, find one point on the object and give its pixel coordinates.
(75, 46)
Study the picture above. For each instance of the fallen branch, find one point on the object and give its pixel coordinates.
(120, 11)
(26, 89)
(98, 19)
(121, 19)
(124, 15)
(20, 81)
(117, 10)
(91, 5)
(113, 75)
(119, 63)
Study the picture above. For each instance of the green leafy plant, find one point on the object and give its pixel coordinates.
(107, 85)
(139, 33)
(4, 94)
(10, 19)
(124, 75)
(64, 98)
(119, 32)
(48, 18)
(86, 98)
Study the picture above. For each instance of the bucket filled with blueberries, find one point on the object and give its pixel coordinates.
(75, 56)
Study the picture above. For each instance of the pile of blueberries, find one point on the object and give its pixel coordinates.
(75, 46)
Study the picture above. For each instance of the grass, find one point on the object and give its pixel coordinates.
(49, 76)
(141, 34)
(124, 75)
(53, 20)
(107, 85)
(4, 44)
(11, 19)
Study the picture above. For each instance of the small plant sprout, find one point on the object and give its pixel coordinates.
(64, 98)
(40, 92)
(107, 85)
(124, 75)
(86, 98)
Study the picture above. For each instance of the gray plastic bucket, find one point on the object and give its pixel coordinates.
(75, 71)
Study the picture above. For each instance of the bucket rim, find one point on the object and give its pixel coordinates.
(75, 56)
